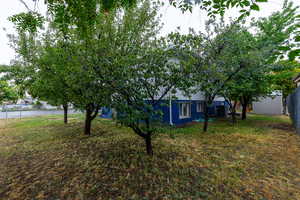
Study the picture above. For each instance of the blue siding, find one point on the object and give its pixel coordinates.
(106, 113)
(176, 109)
(164, 107)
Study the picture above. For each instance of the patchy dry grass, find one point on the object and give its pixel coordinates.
(41, 158)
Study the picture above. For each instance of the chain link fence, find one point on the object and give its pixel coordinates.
(13, 114)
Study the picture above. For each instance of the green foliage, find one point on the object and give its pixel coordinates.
(293, 54)
(148, 82)
(215, 57)
(279, 32)
(271, 40)
(82, 14)
(105, 5)
(87, 56)
(283, 75)
(30, 21)
(219, 58)
(142, 73)
(38, 105)
(254, 80)
(49, 83)
(105, 53)
(214, 7)
(36, 70)
(251, 84)
(8, 93)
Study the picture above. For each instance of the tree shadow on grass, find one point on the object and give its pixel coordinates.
(127, 171)
(282, 126)
(107, 169)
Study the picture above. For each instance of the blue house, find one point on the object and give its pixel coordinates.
(183, 109)
(180, 109)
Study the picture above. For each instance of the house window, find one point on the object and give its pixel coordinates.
(185, 110)
(200, 107)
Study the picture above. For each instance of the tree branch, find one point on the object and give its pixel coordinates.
(27, 7)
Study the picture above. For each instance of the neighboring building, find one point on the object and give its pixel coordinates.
(269, 105)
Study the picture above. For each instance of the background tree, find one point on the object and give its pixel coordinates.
(147, 87)
(214, 8)
(36, 70)
(282, 76)
(101, 49)
(280, 32)
(249, 85)
(49, 82)
(75, 56)
(273, 38)
(8, 93)
(216, 60)
(87, 90)
(142, 73)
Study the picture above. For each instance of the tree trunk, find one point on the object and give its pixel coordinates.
(148, 138)
(88, 124)
(232, 109)
(88, 121)
(149, 145)
(244, 111)
(146, 135)
(233, 113)
(245, 102)
(91, 113)
(284, 104)
(65, 106)
(206, 117)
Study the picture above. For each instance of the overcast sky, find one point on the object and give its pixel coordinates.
(172, 18)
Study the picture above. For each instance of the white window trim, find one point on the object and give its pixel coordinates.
(201, 103)
(189, 111)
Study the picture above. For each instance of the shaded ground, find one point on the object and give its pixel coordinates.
(40, 158)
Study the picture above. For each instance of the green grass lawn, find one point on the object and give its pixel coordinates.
(41, 158)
